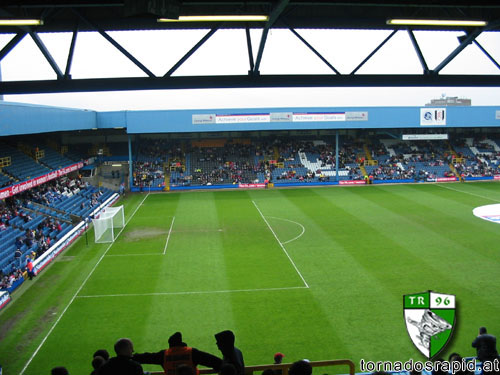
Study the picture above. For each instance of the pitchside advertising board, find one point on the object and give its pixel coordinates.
(429, 318)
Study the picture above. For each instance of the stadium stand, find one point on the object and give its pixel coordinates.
(32, 220)
(23, 167)
(281, 161)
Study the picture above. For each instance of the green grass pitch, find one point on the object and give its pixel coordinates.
(315, 273)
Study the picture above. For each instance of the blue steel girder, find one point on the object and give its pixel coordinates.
(115, 44)
(12, 44)
(294, 32)
(273, 17)
(425, 68)
(249, 47)
(69, 61)
(470, 37)
(46, 54)
(487, 54)
(191, 51)
(372, 53)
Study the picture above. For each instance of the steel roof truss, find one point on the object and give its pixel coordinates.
(191, 51)
(418, 51)
(115, 44)
(487, 54)
(46, 54)
(370, 55)
(313, 50)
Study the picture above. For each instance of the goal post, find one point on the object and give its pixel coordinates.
(105, 226)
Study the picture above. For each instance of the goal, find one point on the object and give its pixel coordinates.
(110, 219)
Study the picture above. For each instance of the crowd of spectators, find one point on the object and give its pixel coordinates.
(148, 173)
(257, 161)
(181, 359)
(34, 240)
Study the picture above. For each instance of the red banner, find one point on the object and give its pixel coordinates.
(253, 186)
(352, 182)
(446, 179)
(496, 177)
(29, 184)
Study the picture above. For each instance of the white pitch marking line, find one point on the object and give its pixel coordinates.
(194, 292)
(294, 222)
(168, 237)
(76, 293)
(131, 255)
(466, 192)
(281, 245)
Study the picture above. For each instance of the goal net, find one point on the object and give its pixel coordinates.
(106, 225)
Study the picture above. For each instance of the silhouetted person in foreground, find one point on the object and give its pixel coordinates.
(178, 354)
(122, 364)
(102, 353)
(300, 368)
(230, 354)
(59, 371)
(486, 346)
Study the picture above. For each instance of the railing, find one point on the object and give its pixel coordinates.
(284, 367)
(5, 161)
(371, 162)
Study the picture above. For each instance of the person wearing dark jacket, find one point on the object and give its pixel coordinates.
(122, 364)
(230, 354)
(486, 346)
(178, 354)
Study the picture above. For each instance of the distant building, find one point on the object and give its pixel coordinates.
(449, 101)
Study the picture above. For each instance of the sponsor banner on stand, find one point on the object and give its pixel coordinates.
(318, 117)
(29, 184)
(243, 118)
(203, 119)
(356, 116)
(432, 116)
(352, 182)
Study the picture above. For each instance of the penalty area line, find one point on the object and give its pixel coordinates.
(281, 245)
(78, 291)
(169, 233)
(193, 292)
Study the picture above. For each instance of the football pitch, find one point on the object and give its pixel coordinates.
(316, 273)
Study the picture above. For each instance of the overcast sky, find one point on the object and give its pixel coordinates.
(226, 53)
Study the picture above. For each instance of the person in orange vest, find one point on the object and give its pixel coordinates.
(29, 267)
(178, 354)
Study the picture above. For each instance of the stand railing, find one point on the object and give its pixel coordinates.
(250, 370)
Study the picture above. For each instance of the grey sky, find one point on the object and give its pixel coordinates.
(226, 53)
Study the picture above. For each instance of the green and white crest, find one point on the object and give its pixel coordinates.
(429, 318)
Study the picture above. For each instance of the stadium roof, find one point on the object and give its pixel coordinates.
(112, 15)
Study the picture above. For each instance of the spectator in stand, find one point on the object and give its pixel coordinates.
(17, 256)
(177, 354)
(122, 364)
(486, 346)
(278, 358)
(301, 367)
(230, 354)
